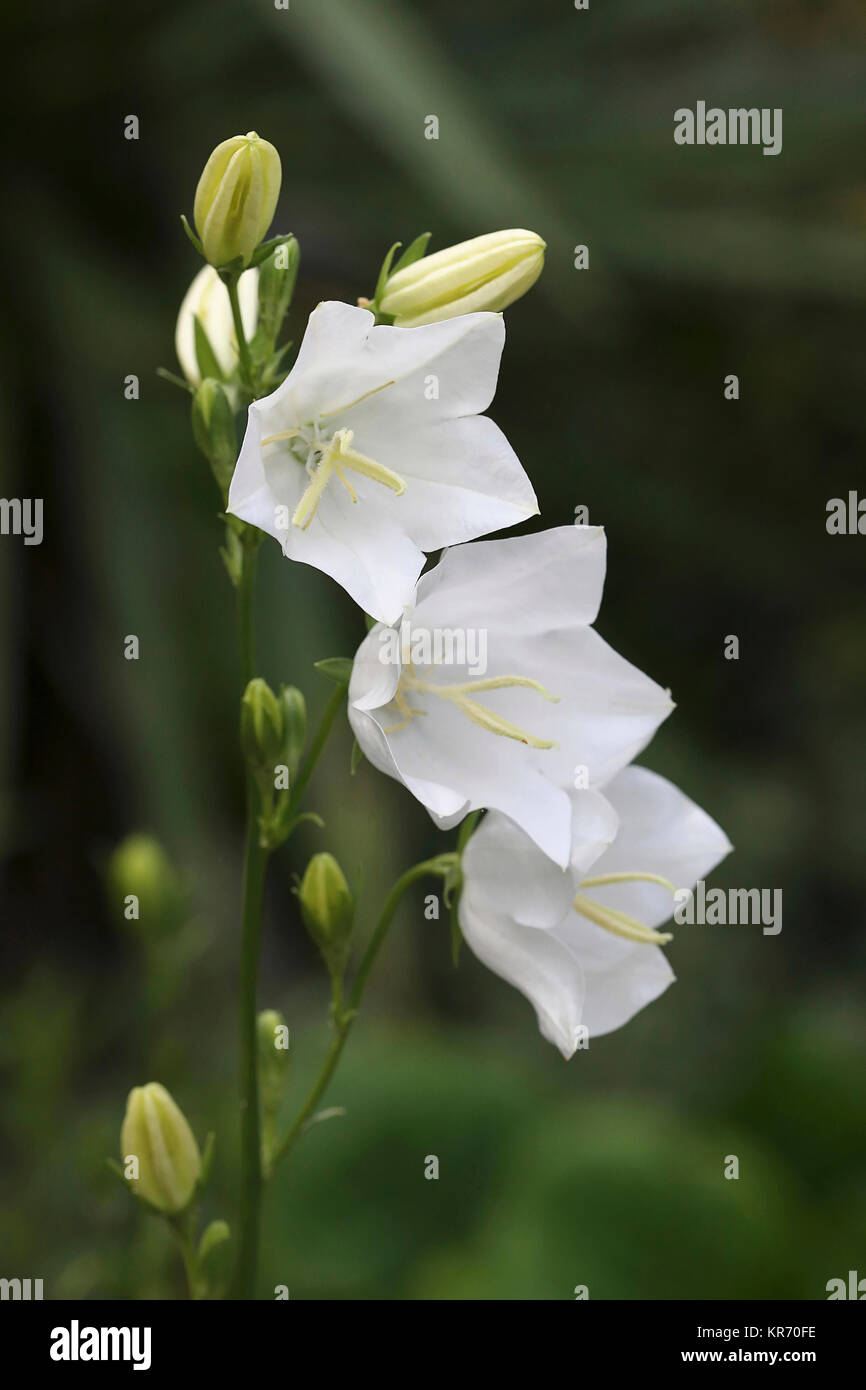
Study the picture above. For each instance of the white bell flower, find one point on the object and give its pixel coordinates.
(208, 300)
(582, 946)
(554, 706)
(373, 450)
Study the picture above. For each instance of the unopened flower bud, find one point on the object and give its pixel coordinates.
(207, 300)
(236, 198)
(262, 733)
(161, 1161)
(488, 272)
(294, 710)
(273, 1044)
(144, 885)
(328, 909)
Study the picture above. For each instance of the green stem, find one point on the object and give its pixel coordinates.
(246, 612)
(343, 1019)
(255, 864)
(183, 1228)
(307, 768)
(246, 361)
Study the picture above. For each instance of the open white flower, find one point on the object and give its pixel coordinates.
(373, 451)
(208, 300)
(582, 945)
(555, 705)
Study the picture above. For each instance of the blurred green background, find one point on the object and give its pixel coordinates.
(606, 1171)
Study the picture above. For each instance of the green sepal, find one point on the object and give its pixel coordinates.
(145, 1205)
(276, 289)
(191, 234)
(356, 759)
(336, 668)
(262, 252)
(414, 252)
(383, 276)
(205, 356)
(176, 380)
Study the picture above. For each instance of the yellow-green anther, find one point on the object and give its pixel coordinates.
(601, 879)
(619, 923)
(337, 456)
(458, 694)
(495, 724)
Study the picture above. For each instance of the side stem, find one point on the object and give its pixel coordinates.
(344, 1018)
(255, 865)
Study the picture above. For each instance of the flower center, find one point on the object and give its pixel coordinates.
(459, 694)
(619, 922)
(326, 455)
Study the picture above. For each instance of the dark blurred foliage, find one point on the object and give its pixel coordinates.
(605, 1171)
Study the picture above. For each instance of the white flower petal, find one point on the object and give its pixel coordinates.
(537, 963)
(621, 977)
(661, 832)
(344, 359)
(523, 585)
(463, 479)
(515, 878)
(477, 769)
(357, 389)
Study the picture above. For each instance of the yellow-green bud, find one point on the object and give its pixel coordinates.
(213, 427)
(294, 708)
(262, 733)
(143, 884)
(161, 1161)
(328, 909)
(273, 1044)
(236, 198)
(488, 272)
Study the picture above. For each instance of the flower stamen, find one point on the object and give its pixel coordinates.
(620, 923)
(458, 695)
(335, 457)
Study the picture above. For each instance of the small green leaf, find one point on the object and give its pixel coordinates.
(192, 236)
(336, 668)
(414, 252)
(384, 273)
(205, 355)
(214, 1235)
(176, 380)
(357, 757)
